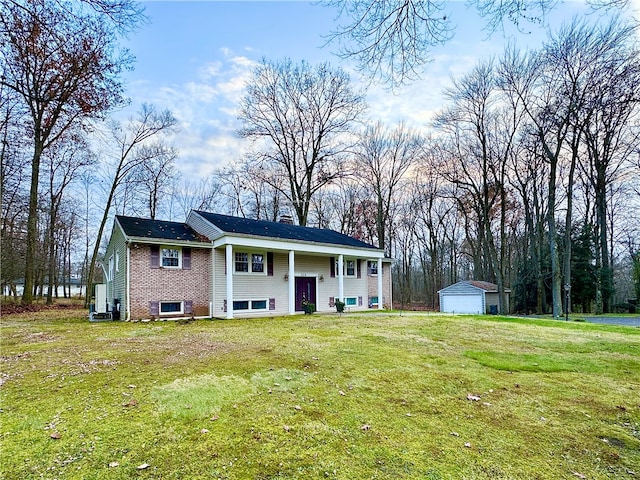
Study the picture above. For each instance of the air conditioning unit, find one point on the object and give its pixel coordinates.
(101, 298)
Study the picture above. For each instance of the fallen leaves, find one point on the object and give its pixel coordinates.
(131, 403)
(55, 436)
(144, 466)
(473, 398)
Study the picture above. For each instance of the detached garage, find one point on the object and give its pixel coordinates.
(471, 296)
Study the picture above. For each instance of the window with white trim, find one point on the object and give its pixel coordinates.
(250, 305)
(372, 267)
(257, 263)
(250, 262)
(351, 301)
(117, 261)
(348, 268)
(171, 257)
(110, 268)
(171, 308)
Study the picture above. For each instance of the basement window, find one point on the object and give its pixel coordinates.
(170, 308)
(249, 305)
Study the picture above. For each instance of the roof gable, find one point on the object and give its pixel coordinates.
(469, 286)
(282, 231)
(158, 229)
(463, 287)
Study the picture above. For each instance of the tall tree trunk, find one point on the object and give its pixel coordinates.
(568, 225)
(605, 282)
(32, 224)
(556, 272)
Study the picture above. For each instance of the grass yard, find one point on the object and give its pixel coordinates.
(352, 397)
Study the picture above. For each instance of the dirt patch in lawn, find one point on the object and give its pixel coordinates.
(176, 349)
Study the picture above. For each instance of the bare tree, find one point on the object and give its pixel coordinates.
(251, 190)
(14, 200)
(529, 177)
(129, 143)
(392, 39)
(64, 161)
(612, 133)
(152, 180)
(299, 117)
(382, 159)
(436, 224)
(481, 126)
(203, 194)
(64, 68)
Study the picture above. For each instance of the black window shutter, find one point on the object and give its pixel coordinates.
(186, 258)
(154, 308)
(359, 267)
(332, 301)
(155, 256)
(270, 264)
(369, 268)
(272, 304)
(359, 301)
(188, 307)
(332, 266)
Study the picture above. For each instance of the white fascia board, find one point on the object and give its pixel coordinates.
(255, 242)
(168, 242)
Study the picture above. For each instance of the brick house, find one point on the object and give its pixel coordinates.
(158, 269)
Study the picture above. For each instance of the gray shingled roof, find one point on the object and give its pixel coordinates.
(283, 231)
(158, 229)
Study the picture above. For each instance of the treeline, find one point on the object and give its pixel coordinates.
(529, 176)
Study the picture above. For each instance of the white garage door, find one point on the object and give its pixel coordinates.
(462, 303)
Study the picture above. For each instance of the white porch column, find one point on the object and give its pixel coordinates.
(380, 284)
(229, 257)
(341, 277)
(292, 282)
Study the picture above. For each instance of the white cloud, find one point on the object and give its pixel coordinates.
(206, 112)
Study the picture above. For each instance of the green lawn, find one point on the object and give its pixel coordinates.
(351, 397)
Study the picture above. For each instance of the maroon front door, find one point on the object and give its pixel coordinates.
(305, 290)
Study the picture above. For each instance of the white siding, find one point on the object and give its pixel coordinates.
(117, 286)
(258, 287)
(252, 286)
(203, 227)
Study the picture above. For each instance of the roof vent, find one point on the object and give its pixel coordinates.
(286, 219)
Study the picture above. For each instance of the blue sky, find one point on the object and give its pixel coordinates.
(194, 58)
